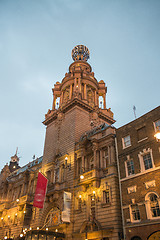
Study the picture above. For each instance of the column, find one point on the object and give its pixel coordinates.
(75, 84)
(70, 92)
(95, 97)
(86, 164)
(109, 154)
(83, 166)
(79, 84)
(95, 158)
(85, 91)
(104, 101)
(112, 155)
(61, 98)
(54, 102)
(101, 158)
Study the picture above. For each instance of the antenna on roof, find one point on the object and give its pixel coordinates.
(134, 110)
(16, 150)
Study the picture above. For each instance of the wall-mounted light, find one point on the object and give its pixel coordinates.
(37, 228)
(82, 177)
(80, 196)
(157, 136)
(17, 200)
(94, 192)
(67, 165)
(47, 229)
(56, 230)
(16, 214)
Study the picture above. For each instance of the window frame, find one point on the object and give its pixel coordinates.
(126, 167)
(156, 129)
(141, 159)
(123, 141)
(131, 212)
(148, 205)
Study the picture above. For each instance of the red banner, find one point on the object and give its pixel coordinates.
(40, 192)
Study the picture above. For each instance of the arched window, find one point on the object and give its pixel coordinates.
(152, 205)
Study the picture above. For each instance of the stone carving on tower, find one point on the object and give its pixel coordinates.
(80, 85)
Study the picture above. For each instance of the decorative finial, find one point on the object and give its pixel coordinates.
(80, 52)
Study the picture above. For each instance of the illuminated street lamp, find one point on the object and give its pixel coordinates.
(81, 177)
(157, 136)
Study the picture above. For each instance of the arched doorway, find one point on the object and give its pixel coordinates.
(154, 236)
(136, 238)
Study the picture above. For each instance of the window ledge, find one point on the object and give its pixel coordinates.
(136, 221)
(78, 211)
(143, 139)
(105, 205)
(126, 146)
(139, 174)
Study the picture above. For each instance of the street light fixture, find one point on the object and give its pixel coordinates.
(157, 136)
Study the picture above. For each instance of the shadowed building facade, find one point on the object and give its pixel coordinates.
(139, 162)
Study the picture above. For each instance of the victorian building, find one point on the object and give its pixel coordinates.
(139, 164)
(79, 161)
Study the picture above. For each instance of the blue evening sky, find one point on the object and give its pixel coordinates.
(36, 39)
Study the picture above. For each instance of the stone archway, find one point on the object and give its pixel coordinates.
(136, 238)
(154, 236)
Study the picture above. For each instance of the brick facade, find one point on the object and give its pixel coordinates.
(143, 181)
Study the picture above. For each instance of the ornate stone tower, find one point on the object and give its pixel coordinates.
(80, 140)
(75, 106)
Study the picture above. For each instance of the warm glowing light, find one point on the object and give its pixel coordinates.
(1, 218)
(24, 212)
(30, 228)
(94, 192)
(81, 177)
(46, 229)
(14, 166)
(37, 228)
(17, 200)
(56, 230)
(157, 135)
(8, 216)
(5, 237)
(21, 235)
(15, 214)
(66, 158)
(25, 229)
(80, 196)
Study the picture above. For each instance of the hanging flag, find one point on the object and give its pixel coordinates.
(67, 207)
(40, 192)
